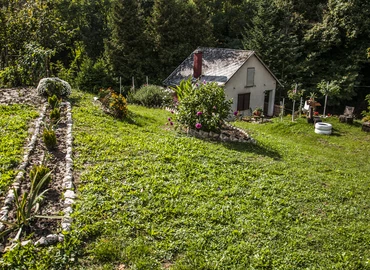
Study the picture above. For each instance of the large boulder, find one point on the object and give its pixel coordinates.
(53, 86)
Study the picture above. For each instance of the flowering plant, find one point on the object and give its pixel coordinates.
(204, 107)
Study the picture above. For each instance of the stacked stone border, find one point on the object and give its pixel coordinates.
(69, 193)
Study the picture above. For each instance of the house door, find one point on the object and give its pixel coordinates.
(268, 103)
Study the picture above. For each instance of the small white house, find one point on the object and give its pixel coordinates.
(244, 76)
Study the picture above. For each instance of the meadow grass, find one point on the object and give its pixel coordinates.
(151, 198)
(14, 121)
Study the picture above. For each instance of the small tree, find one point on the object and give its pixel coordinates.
(295, 95)
(328, 89)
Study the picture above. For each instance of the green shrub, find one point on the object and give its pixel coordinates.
(366, 114)
(53, 86)
(11, 76)
(49, 137)
(53, 101)
(118, 105)
(205, 107)
(55, 115)
(93, 76)
(151, 95)
(37, 173)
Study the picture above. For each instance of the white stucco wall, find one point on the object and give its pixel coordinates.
(263, 81)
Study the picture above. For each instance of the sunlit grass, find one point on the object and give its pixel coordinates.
(14, 121)
(150, 197)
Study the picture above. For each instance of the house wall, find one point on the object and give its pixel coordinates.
(263, 81)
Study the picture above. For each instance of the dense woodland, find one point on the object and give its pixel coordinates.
(93, 43)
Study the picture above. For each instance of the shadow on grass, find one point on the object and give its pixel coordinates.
(253, 148)
(75, 100)
(138, 120)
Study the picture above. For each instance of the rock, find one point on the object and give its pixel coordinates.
(68, 210)
(52, 239)
(70, 194)
(24, 243)
(41, 242)
(60, 237)
(68, 202)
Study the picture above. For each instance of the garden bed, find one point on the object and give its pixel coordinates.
(55, 203)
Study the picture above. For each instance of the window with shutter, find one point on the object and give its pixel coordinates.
(250, 76)
(243, 101)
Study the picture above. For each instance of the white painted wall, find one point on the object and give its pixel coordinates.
(263, 80)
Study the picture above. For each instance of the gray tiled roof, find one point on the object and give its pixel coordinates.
(218, 65)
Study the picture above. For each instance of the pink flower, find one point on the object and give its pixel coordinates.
(214, 107)
(171, 123)
(198, 125)
(236, 113)
(204, 82)
(169, 119)
(172, 111)
(199, 113)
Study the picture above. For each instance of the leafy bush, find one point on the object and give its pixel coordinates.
(37, 173)
(118, 105)
(366, 114)
(93, 76)
(53, 86)
(10, 76)
(205, 107)
(151, 95)
(53, 101)
(49, 137)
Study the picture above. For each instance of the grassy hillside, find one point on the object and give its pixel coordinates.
(150, 198)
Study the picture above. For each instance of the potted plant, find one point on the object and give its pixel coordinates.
(257, 111)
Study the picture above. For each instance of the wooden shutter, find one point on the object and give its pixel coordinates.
(250, 76)
(243, 101)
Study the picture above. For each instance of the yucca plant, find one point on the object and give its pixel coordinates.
(37, 173)
(27, 206)
(53, 101)
(55, 115)
(49, 136)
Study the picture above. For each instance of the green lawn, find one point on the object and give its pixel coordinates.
(14, 121)
(150, 198)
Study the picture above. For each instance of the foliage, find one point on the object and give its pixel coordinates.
(53, 86)
(53, 101)
(14, 122)
(328, 88)
(115, 104)
(205, 104)
(295, 94)
(27, 205)
(10, 76)
(94, 75)
(118, 105)
(55, 115)
(183, 89)
(152, 95)
(49, 137)
(150, 196)
(37, 173)
(366, 114)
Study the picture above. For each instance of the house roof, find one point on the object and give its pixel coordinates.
(218, 65)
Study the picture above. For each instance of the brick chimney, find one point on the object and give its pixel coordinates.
(197, 64)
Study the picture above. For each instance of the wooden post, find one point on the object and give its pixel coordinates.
(133, 83)
(282, 110)
(147, 80)
(293, 111)
(120, 85)
(300, 107)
